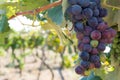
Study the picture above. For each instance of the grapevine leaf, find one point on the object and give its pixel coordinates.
(4, 24)
(56, 14)
(49, 25)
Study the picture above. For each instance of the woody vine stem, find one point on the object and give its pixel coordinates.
(57, 3)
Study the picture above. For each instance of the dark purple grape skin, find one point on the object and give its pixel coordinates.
(79, 26)
(80, 46)
(113, 32)
(88, 13)
(97, 64)
(79, 35)
(76, 9)
(94, 51)
(85, 64)
(93, 22)
(72, 2)
(79, 70)
(100, 20)
(96, 12)
(93, 5)
(79, 17)
(96, 1)
(102, 26)
(83, 3)
(94, 58)
(87, 47)
(96, 35)
(87, 30)
(103, 12)
(84, 55)
(86, 40)
(101, 46)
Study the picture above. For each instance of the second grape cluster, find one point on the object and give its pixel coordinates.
(92, 32)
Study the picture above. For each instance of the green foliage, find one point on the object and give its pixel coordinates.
(56, 14)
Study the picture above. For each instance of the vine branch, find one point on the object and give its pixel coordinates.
(57, 3)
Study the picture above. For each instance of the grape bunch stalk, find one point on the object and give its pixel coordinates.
(92, 32)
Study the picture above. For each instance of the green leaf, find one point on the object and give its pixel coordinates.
(4, 24)
(56, 14)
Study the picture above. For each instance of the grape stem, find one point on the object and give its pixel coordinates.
(56, 3)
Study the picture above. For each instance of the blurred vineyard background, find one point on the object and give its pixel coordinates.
(43, 46)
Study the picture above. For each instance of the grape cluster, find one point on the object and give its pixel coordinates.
(116, 48)
(92, 32)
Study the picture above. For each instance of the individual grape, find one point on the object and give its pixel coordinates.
(79, 26)
(92, 66)
(80, 46)
(72, 2)
(93, 5)
(79, 70)
(93, 22)
(106, 34)
(79, 35)
(100, 20)
(96, 12)
(94, 51)
(87, 30)
(87, 47)
(84, 55)
(88, 13)
(79, 17)
(94, 43)
(86, 40)
(94, 58)
(96, 35)
(101, 46)
(76, 9)
(102, 26)
(84, 3)
(96, 1)
(97, 64)
(85, 64)
(103, 12)
(113, 32)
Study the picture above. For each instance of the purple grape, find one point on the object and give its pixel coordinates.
(103, 12)
(84, 55)
(101, 46)
(87, 47)
(79, 35)
(94, 51)
(87, 30)
(80, 46)
(96, 12)
(102, 26)
(85, 64)
(94, 58)
(86, 40)
(96, 1)
(97, 64)
(79, 17)
(72, 2)
(96, 35)
(84, 3)
(106, 34)
(93, 22)
(100, 20)
(88, 13)
(79, 26)
(79, 70)
(76, 9)
(113, 32)
(93, 5)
